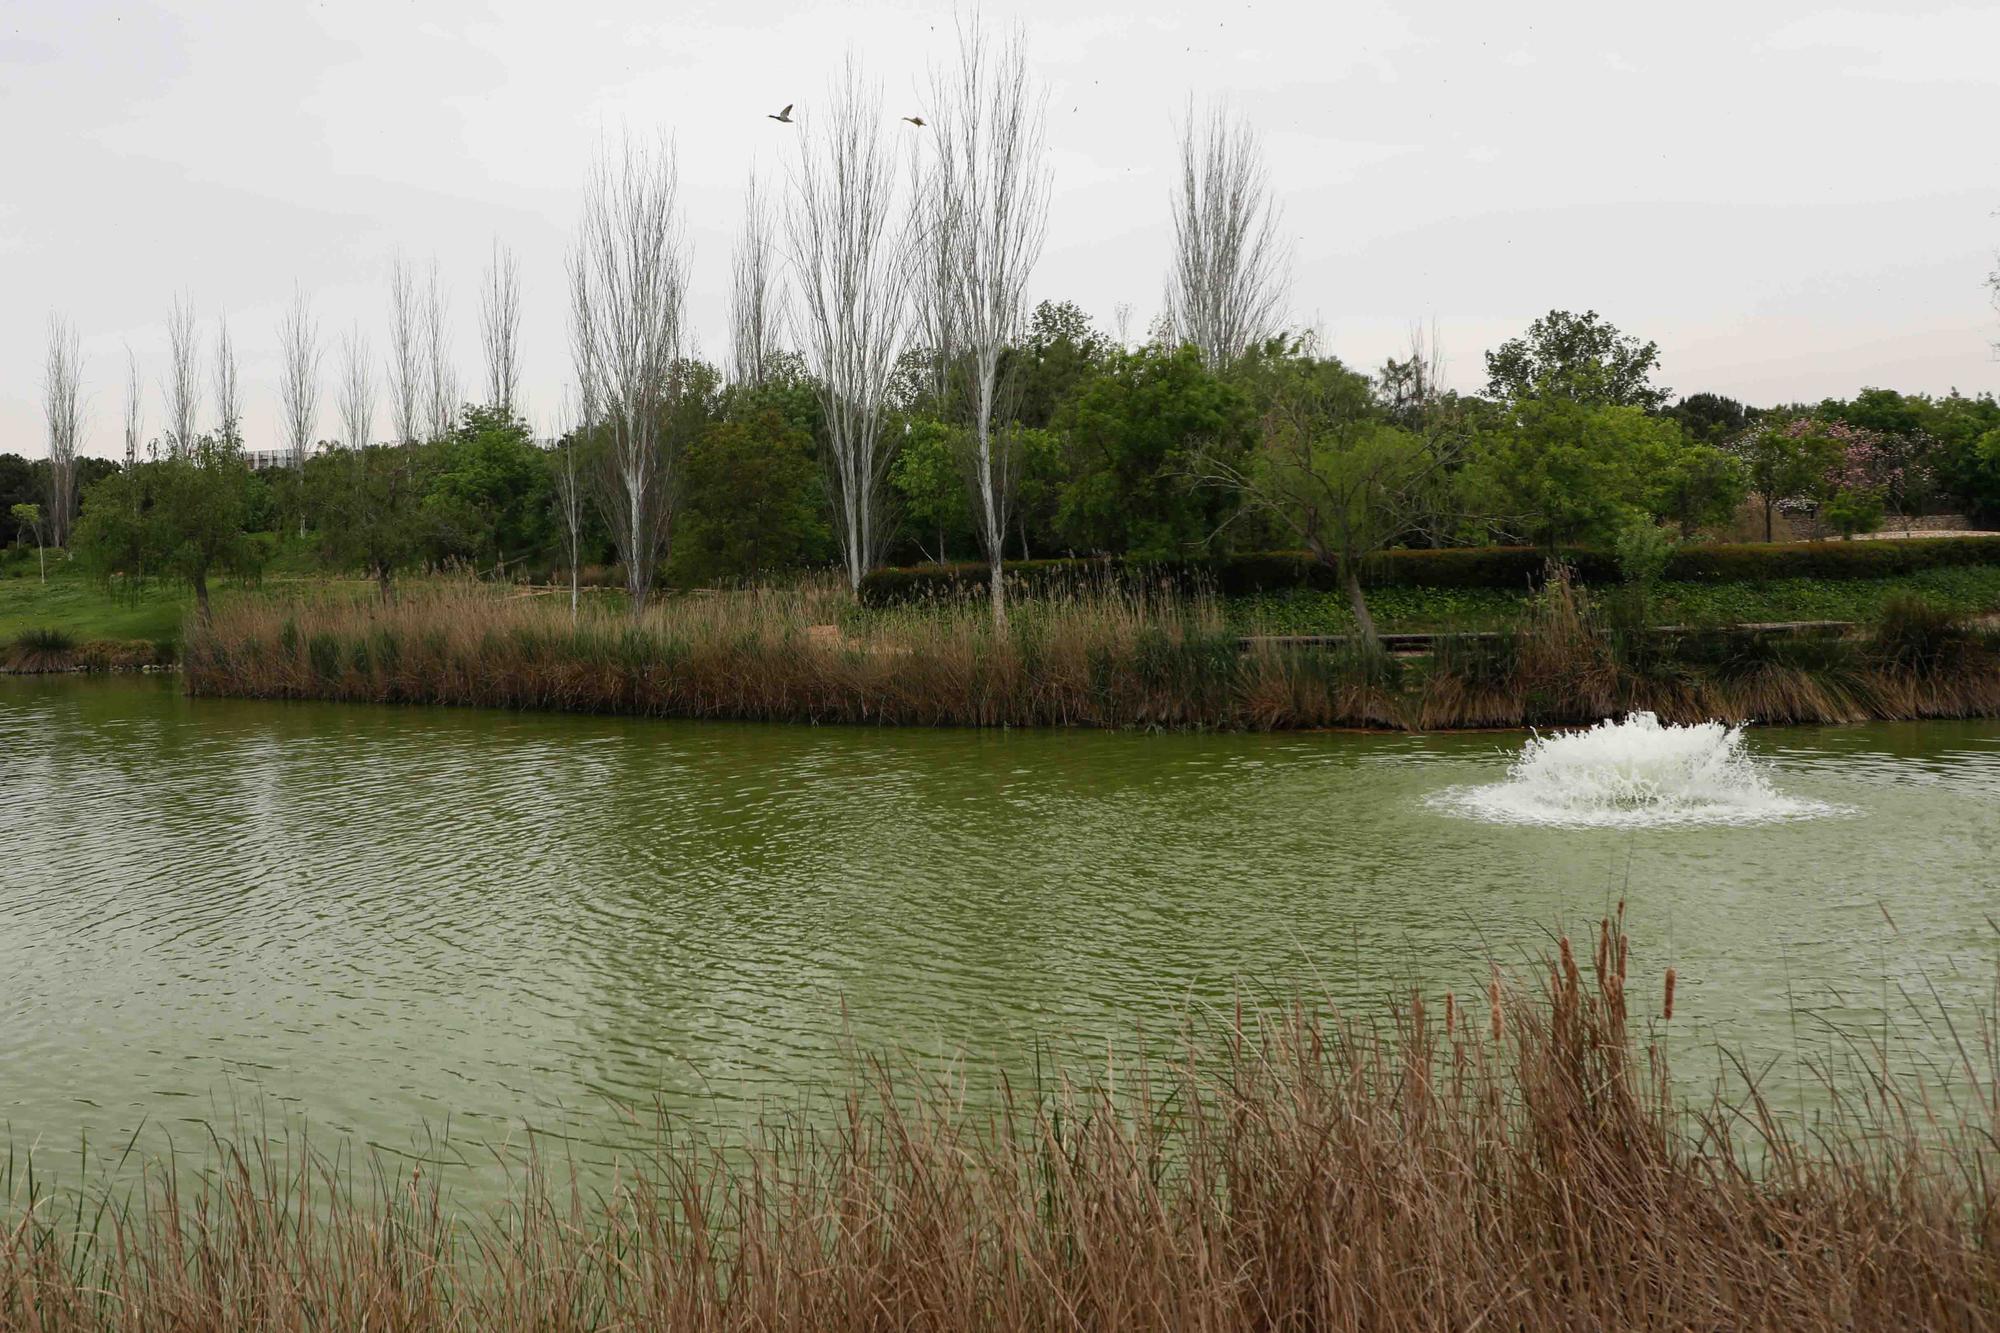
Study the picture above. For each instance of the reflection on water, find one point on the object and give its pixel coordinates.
(382, 919)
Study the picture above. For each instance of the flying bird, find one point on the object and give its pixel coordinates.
(783, 117)
(917, 121)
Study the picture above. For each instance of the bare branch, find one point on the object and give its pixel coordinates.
(440, 378)
(500, 329)
(135, 407)
(62, 409)
(628, 288)
(182, 389)
(1226, 288)
(405, 375)
(758, 309)
(851, 288)
(357, 390)
(228, 393)
(300, 356)
(990, 195)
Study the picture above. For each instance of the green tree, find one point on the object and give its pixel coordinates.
(1325, 466)
(1699, 485)
(370, 501)
(28, 522)
(1558, 471)
(1060, 350)
(1132, 429)
(1710, 418)
(1583, 358)
(488, 495)
(928, 480)
(1783, 460)
(751, 501)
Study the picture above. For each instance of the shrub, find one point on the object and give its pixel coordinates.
(1914, 636)
(1512, 568)
(44, 640)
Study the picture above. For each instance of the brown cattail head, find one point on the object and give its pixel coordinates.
(1603, 958)
(1493, 999)
(1669, 1014)
(1450, 1013)
(1623, 940)
(1569, 964)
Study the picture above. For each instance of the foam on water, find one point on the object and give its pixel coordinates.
(1633, 774)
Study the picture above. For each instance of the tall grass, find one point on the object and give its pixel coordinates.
(1105, 658)
(1508, 1160)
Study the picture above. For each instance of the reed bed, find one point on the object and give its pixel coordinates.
(1515, 1160)
(1107, 658)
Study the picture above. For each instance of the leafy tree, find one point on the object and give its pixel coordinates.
(186, 514)
(1331, 473)
(1560, 471)
(1132, 429)
(1060, 350)
(1583, 358)
(28, 523)
(1783, 460)
(370, 502)
(1710, 418)
(1699, 485)
(488, 495)
(752, 502)
(928, 480)
(1853, 509)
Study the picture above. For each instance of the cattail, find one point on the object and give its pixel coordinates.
(1603, 958)
(1623, 941)
(1669, 1014)
(1450, 1014)
(1569, 964)
(1493, 998)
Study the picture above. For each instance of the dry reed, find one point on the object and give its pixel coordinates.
(1293, 1171)
(1099, 659)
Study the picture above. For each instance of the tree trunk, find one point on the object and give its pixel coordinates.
(1767, 518)
(42, 559)
(999, 594)
(383, 584)
(1357, 601)
(201, 595)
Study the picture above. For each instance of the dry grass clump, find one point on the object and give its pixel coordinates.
(40, 651)
(1100, 658)
(1525, 1167)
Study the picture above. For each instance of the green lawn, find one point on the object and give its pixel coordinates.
(85, 609)
(1972, 589)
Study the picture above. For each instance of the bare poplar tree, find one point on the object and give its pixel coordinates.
(851, 287)
(357, 390)
(991, 195)
(300, 356)
(228, 395)
(135, 408)
(928, 281)
(182, 388)
(500, 329)
(406, 388)
(628, 287)
(440, 379)
(757, 306)
(1226, 287)
(62, 409)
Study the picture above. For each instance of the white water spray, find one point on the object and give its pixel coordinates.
(1633, 774)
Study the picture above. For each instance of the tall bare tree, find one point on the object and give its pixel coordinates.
(357, 390)
(135, 408)
(300, 356)
(405, 379)
(182, 388)
(440, 377)
(758, 310)
(628, 289)
(228, 390)
(928, 283)
(62, 409)
(840, 223)
(992, 194)
(1227, 284)
(500, 329)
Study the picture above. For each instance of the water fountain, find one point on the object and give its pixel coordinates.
(1638, 773)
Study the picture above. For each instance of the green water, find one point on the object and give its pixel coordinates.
(383, 922)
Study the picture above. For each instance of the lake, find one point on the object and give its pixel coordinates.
(396, 923)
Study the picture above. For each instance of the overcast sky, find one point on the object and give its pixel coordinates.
(1793, 199)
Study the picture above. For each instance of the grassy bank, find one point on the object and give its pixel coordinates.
(1103, 661)
(1508, 1160)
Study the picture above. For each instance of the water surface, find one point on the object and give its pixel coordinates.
(381, 920)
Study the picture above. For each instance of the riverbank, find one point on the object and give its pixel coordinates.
(1107, 660)
(1509, 1159)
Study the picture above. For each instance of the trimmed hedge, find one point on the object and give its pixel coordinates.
(1508, 567)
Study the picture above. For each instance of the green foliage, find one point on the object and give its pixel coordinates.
(1131, 430)
(1579, 358)
(1853, 510)
(370, 503)
(186, 514)
(1710, 418)
(928, 481)
(44, 639)
(751, 501)
(1559, 471)
(1642, 549)
(487, 500)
